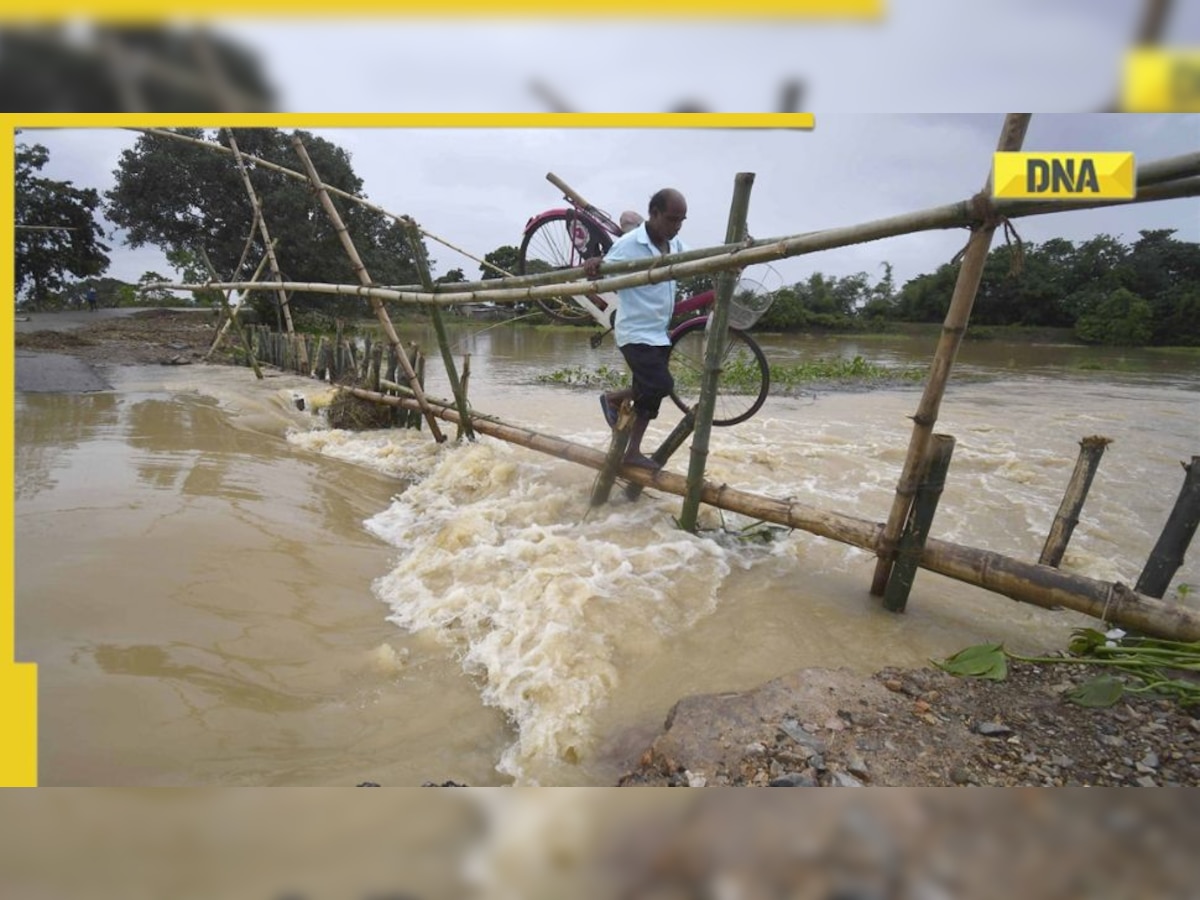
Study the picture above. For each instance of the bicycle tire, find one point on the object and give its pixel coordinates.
(741, 351)
(554, 243)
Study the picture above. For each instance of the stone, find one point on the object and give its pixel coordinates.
(792, 779)
(992, 729)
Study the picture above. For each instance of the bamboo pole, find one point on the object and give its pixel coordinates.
(361, 271)
(1171, 547)
(292, 173)
(916, 530)
(263, 230)
(1150, 179)
(614, 458)
(716, 334)
(969, 275)
(232, 314)
(439, 327)
(1025, 582)
(714, 259)
(673, 441)
(1067, 517)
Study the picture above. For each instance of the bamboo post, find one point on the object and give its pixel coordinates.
(232, 314)
(1090, 451)
(680, 433)
(1168, 553)
(615, 456)
(363, 277)
(969, 275)
(376, 366)
(1023, 581)
(265, 232)
(916, 530)
(716, 335)
(460, 396)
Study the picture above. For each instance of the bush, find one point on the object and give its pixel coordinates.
(1122, 319)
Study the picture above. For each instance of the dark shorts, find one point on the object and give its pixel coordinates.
(652, 379)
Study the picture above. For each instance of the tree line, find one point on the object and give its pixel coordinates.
(1105, 290)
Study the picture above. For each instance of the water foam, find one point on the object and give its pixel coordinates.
(504, 563)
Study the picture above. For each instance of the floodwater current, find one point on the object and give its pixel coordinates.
(219, 590)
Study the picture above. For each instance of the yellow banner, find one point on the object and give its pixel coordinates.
(155, 11)
(1064, 176)
(1161, 81)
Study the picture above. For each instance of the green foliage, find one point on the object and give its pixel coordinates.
(67, 239)
(981, 661)
(181, 197)
(1122, 318)
(504, 257)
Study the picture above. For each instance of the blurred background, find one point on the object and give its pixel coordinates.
(643, 844)
(1018, 55)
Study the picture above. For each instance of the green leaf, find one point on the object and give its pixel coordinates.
(980, 661)
(1098, 693)
(1085, 640)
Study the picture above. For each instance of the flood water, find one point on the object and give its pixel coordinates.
(219, 590)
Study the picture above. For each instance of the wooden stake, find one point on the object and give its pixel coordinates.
(1177, 534)
(916, 530)
(1023, 581)
(364, 278)
(439, 327)
(1090, 451)
(680, 433)
(716, 335)
(614, 458)
(969, 276)
(232, 317)
(264, 231)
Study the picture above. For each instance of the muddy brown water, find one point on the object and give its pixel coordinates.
(218, 590)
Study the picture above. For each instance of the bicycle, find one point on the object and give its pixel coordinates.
(564, 238)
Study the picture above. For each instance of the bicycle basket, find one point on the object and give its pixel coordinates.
(751, 300)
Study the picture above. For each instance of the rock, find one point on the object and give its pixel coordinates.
(1147, 782)
(696, 779)
(792, 779)
(857, 766)
(844, 779)
(992, 729)
(960, 775)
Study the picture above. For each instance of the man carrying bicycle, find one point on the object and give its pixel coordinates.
(643, 318)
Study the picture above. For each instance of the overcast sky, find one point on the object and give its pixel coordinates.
(477, 188)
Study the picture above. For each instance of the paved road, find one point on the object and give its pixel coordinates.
(70, 320)
(44, 372)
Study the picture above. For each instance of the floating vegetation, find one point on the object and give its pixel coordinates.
(350, 413)
(741, 375)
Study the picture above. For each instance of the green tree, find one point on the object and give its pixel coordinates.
(454, 276)
(57, 235)
(503, 257)
(181, 198)
(1122, 318)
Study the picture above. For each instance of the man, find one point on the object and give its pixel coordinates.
(643, 316)
(91, 299)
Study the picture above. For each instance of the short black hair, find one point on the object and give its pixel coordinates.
(658, 202)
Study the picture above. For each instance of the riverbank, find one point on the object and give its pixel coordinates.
(915, 727)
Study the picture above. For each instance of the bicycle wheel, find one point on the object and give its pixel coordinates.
(561, 240)
(742, 384)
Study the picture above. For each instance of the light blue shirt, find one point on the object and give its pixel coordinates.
(644, 312)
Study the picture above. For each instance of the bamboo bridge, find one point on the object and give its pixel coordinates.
(901, 543)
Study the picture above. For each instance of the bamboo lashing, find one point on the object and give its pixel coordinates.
(361, 271)
(970, 273)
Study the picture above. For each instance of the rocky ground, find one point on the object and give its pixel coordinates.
(917, 727)
(924, 728)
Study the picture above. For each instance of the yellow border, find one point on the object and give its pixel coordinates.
(414, 120)
(18, 681)
(154, 11)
